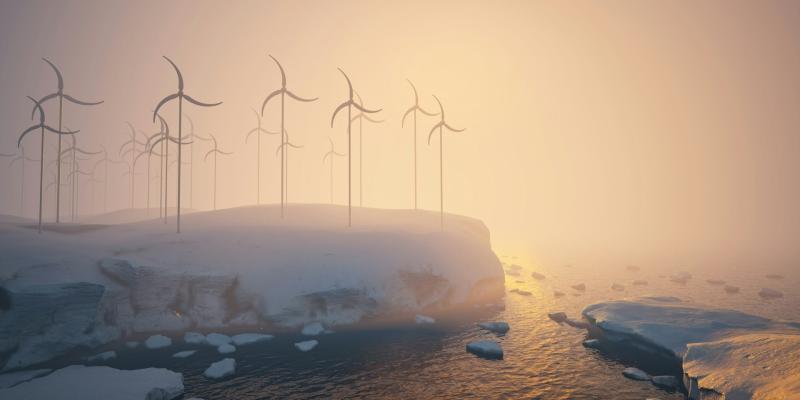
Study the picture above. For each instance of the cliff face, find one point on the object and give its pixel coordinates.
(237, 268)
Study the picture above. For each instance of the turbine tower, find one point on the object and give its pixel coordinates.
(283, 91)
(214, 151)
(61, 97)
(41, 126)
(332, 154)
(360, 117)
(180, 96)
(413, 110)
(283, 148)
(441, 125)
(258, 130)
(349, 104)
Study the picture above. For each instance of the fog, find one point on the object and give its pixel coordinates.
(625, 131)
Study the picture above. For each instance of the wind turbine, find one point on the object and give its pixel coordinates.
(132, 149)
(75, 150)
(214, 151)
(283, 91)
(180, 96)
(413, 110)
(105, 160)
(21, 158)
(74, 176)
(284, 149)
(441, 125)
(361, 117)
(258, 130)
(163, 137)
(61, 96)
(332, 154)
(349, 104)
(41, 126)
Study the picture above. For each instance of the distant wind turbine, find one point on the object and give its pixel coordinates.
(163, 137)
(75, 150)
(22, 158)
(413, 110)
(349, 104)
(214, 151)
(40, 104)
(283, 148)
(332, 154)
(283, 91)
(258, 130)
(360, 117)
(441, 125)
(180, 96)
(42, 126)
(132, 142)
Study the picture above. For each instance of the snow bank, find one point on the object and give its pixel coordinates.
(724, 352)
(79, 383)
(235, 269)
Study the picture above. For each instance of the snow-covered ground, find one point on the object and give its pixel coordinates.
(232, 270)
(737, 355)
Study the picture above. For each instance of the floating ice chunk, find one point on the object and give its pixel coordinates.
(579, 287)
(194, 338)
(221, 369)
(424, 319)
(635, 374)
(617, 287)
(104, 356)
(184, 354)
(15, 378)
(306, 345)
(313, 329)
(157, 342)
(226, 348)
(132, 344)
(768, 293)
(591, 343)
(668, 382)
(498, 327)
(243, 339)
(680, 277)
(731, 289)
(537, 276)
(486, 349)
(217, 339)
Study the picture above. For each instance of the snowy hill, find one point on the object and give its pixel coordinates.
(236, 269)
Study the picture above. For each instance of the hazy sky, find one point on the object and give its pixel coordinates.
(627, 128)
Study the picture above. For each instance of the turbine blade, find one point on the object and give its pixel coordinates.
(271, 95)
(81, 102)
(37, 105)
(40, 102)
(177, 71)
(403, 121)
(58, 75)
(349, 84)
(225, 153)
(453, 129)
(298, 98)
(341, 106)
(283, 74)
(433, 130)
(376, 121)
(60, 132)
(358, 106)
(205, 158)
(163, 101)
(430, 114)
(200, 103)
(25, 132)
(414, 88)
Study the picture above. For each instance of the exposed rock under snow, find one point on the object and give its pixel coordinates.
(238, 269)
(184, 354)
(635, 374)
(221, 369)
(486, 349)
(78, 382)
(15, 378)
(498, 327)
(723, 351)
(306, 345)
(226, 348)
(420, 319)
(218, 339)
(157, 342)
(243, 339)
